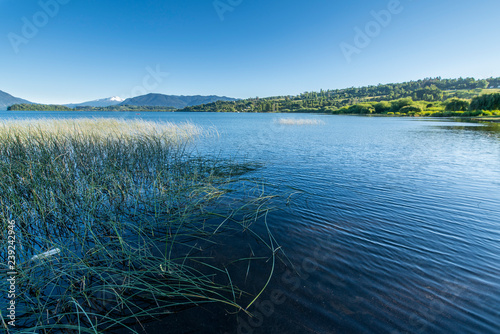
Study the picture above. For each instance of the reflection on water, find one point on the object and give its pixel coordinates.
(396, 228)
(487, 129)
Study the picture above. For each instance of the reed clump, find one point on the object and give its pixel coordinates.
(125, 214)
(299, 121)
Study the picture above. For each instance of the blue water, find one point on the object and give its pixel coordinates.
(396, 228)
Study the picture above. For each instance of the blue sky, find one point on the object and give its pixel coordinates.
(90, 49)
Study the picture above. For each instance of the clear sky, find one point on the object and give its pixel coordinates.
(80, 50)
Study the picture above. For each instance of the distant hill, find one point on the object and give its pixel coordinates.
(8, 100)
(175, 101)
(110, 101)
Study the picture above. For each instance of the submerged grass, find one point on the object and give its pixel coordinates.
(127, 215)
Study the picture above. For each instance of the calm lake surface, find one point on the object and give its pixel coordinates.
(396, 228)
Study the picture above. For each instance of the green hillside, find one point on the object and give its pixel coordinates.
(428, 97)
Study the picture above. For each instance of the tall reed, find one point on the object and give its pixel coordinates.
(130, 212)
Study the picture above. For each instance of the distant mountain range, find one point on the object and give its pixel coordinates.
(110, 101)
(160, 100)
(153, 100)
(8, 100)
(150, 100)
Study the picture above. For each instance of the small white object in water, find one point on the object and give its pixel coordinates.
(46, 254)
(299, 121)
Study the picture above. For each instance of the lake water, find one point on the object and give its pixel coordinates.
(396, 228)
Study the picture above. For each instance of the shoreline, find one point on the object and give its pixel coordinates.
(487, 119)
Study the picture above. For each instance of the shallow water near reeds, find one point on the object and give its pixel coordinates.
(392, 224)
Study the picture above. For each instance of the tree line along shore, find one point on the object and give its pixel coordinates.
(431, 97)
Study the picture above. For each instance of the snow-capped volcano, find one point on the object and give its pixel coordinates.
(115, 98)
(110, 101)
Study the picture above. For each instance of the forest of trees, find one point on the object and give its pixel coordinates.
(52, 107)
(457, 105)
(486, 102)
(432, 92)
(38, 107)
(125, 108)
